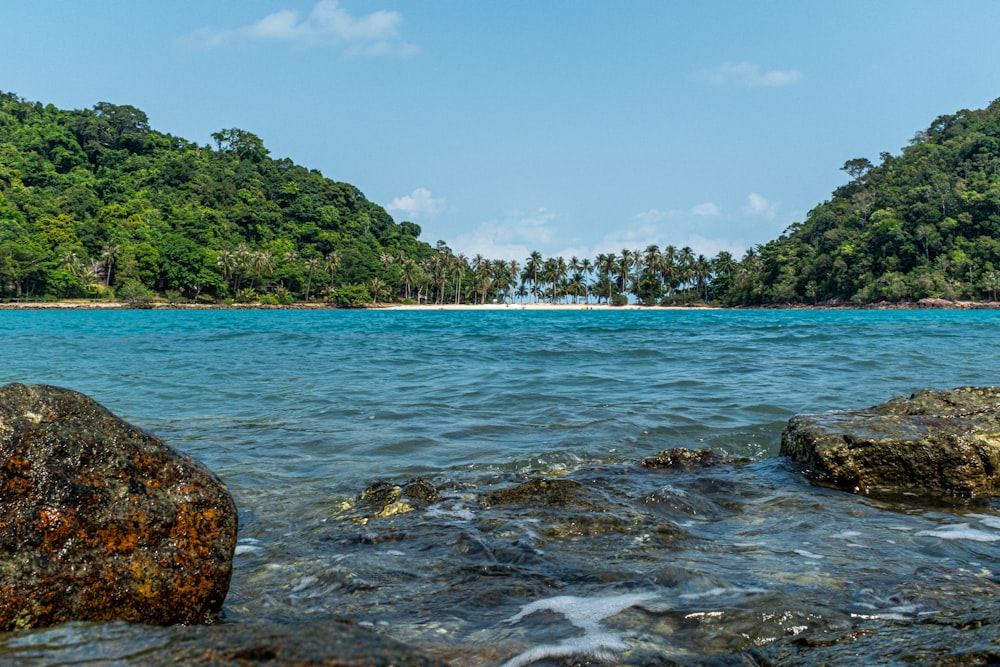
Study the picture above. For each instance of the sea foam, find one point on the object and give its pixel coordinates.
(586, 614)
(961, 531)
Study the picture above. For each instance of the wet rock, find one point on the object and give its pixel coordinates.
(100, 520)
(540, 491)
(684, 459)
(385, 499)
(335, 643)
(935, 441)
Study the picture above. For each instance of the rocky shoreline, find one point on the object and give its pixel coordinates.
(117, 526)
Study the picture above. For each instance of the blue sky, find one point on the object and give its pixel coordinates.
(571, 128)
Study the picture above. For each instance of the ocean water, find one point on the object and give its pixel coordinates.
(300, 411)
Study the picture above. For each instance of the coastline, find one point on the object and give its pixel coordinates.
(83, 304)
(86, 304)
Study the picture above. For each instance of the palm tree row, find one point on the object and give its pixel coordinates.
(648, 276)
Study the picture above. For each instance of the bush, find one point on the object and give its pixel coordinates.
(352, 296)
(619, 300)
(135, 294)
(247, 295)
(173, 296)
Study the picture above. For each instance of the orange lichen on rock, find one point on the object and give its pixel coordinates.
(102, 521)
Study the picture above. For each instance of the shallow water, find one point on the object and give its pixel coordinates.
(299, 411)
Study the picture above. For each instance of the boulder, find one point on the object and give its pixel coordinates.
(102, 521)
(935, 441)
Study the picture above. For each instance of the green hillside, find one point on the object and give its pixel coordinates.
(96, 204)
(925, 223)
(93, 202)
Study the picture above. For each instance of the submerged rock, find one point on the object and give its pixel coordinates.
(681, 458)
(541, 492)
(102, 521)
(385, 499)
(336, 643)
(937, 441)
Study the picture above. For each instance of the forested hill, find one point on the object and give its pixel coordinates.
(925, 223)
(97, 204)
(95, 201)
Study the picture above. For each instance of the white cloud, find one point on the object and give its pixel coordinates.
(708, 209)
(377, 33)
(750, 75)
(516, 237)
(759, 206)
(518, 234)
(419, 202)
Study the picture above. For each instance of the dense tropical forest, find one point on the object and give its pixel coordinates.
(96, 204)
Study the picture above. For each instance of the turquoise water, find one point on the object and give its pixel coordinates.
(299, 411)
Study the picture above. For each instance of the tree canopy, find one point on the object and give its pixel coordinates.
(93, 200)
(925, 223)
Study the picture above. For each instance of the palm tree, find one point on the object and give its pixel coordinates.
(702, 271)
(625, 261)
(685, 266)
(553, 273)
(460, 267)
(500, 277)
(378, 289)
(514, 272)
(480, 271)
(312, 264)
(409, 274)
(575, 286)
(532, 266)
(71, 262)
(668, 266)
(636, 268)
(440, 273)
(262, 262)
(110, 256)
(607, 264)
(332, 265)
(588, 268)
(562, 271)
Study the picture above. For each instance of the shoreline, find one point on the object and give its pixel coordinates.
(86, 304)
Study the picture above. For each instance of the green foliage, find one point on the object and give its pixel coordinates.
(352, 296)
(96, 199)
(135, 294)
(925, 223)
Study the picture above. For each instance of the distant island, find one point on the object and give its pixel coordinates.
(96, 207)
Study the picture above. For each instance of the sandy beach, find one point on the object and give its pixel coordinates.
(85, 304)
(532, 306)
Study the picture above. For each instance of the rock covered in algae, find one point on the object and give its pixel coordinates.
(681, 458)
(935, 441)
(102, 521)
(541, 491)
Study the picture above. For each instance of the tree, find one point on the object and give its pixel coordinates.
(135, 294)
(109, 255)
(532, 265)
(312, 265)
(857, 168)
(244, 145)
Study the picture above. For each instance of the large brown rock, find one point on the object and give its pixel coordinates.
(937, 441)
(102, 521)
